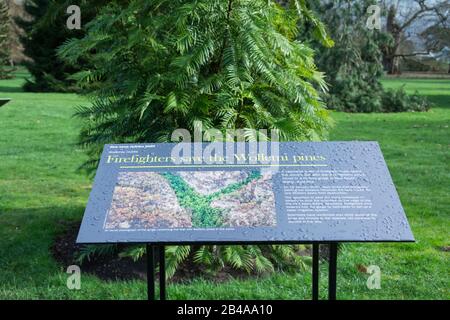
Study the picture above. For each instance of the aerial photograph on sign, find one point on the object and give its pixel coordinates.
(192, 199)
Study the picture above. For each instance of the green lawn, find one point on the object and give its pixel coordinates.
(40, 188)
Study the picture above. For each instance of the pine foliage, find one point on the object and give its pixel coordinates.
(159, 65)
(251, 259)
(354, 65)
(162, 65)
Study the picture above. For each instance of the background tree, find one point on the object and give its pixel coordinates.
(5, 53)
(354, 65)
(40, 41)
(16, 10)
(44, 30)
(437, 39)
(157, 66)
(405, 20)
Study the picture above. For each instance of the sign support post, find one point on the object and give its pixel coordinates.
(150, 250)
(162, 273)
(332, 271)
(315, 271)
(150, 272)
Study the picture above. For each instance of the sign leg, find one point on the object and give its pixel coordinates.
(162, 273)
(315, 271)
(150, 273)
(332, 271)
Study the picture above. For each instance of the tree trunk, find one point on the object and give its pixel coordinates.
(391, 61)
(395, 69)
(391, 64)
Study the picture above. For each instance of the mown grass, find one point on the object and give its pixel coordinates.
(40, 188)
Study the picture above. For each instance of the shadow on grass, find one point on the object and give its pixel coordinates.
(439, 101)
(27, 236)
(12, 89)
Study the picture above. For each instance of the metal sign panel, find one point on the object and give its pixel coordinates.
(243, 193)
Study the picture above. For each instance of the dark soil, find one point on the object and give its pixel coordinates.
(112, 267)
(65, 250)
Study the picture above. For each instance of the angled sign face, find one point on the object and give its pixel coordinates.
(4, 101)
(243, 193)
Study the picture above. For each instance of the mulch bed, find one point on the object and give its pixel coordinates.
(64, 250)
(111, 267)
